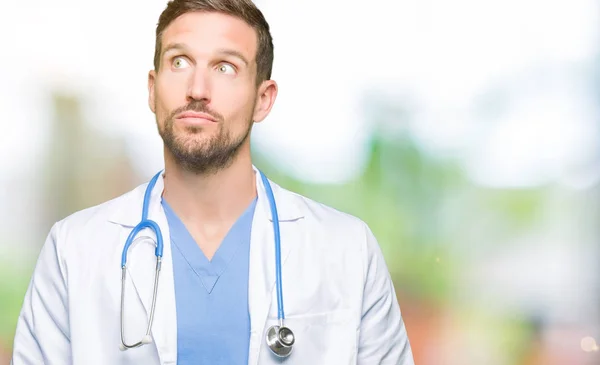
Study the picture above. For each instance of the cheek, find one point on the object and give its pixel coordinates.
(242, 114)
(170, 94)
(235, 102)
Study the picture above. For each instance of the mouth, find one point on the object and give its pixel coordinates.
(195, 118)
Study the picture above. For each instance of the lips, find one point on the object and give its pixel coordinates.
(195, 115)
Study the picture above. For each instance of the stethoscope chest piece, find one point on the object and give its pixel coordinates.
(280, 340)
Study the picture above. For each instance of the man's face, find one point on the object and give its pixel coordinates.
(205, 95)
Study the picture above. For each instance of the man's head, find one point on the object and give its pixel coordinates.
(211, 80)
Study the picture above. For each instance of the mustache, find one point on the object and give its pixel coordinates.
(198, 107)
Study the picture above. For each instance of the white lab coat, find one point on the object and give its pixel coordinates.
(338, 296)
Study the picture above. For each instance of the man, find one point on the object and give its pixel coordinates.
(216, 296)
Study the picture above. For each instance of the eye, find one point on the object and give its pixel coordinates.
(180, 62)
(226, 69)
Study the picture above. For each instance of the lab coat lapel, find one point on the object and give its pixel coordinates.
(141, 266)
(262, 277)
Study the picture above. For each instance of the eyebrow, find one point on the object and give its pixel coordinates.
(221, 51)
(174, 47)
(233, 53)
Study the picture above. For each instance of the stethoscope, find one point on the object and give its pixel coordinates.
(280, 338)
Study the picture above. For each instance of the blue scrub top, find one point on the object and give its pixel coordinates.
(213, 321)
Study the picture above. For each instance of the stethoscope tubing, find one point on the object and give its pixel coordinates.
(147, 223)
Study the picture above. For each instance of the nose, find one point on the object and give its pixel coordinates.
(199, 87)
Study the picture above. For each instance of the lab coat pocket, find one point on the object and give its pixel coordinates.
(320, 338)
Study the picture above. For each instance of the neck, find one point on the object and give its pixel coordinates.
(214, 198)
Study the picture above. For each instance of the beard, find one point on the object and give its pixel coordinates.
(197, 155)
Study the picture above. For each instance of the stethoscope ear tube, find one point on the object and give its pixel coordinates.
(147, 337)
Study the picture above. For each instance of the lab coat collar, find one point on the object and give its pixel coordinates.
(129, 212)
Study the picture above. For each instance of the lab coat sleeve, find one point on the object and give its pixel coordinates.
(382, 335)
(42, 334)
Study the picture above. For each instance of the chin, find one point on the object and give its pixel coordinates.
(196, 143)
(192, 130)
(193, 134)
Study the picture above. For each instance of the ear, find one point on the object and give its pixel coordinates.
(151, 91)
(267, 93)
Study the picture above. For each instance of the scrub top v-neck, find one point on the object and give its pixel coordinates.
(213, 322)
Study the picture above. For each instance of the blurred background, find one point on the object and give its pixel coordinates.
(465, 133)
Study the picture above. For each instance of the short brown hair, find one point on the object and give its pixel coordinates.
(242, 9)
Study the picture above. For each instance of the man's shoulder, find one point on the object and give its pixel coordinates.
(333, 230)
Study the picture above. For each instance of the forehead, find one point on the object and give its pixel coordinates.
(204, 32)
